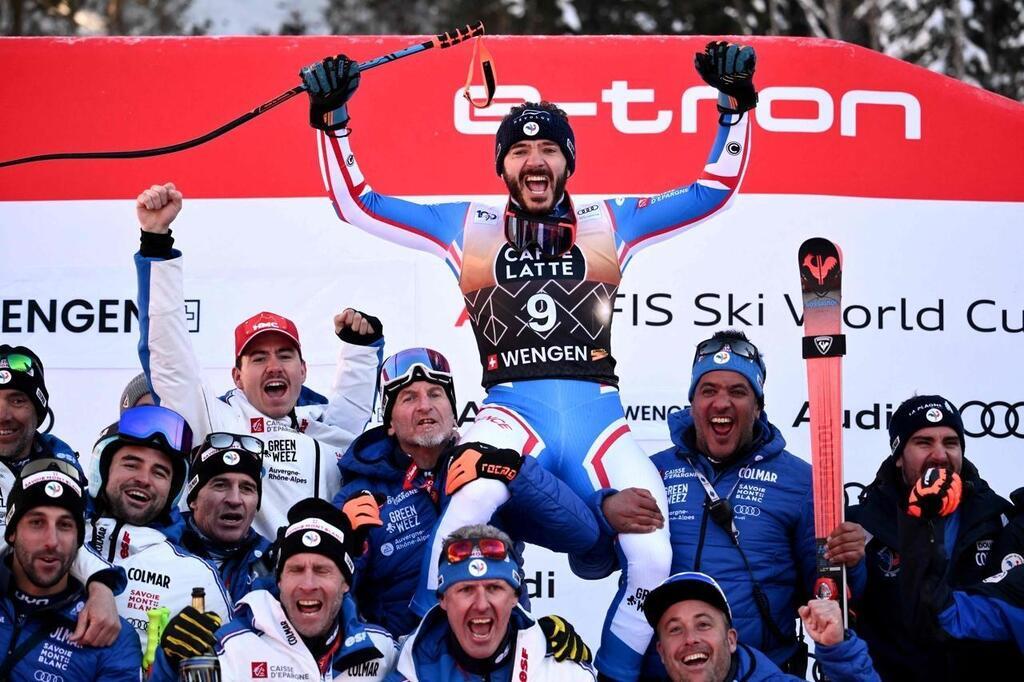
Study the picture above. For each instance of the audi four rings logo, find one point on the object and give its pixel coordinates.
(998, 419)
(746, 510)
(45, 676)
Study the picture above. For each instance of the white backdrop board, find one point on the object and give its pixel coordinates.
(925, 199)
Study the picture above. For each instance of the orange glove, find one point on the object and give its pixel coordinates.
(937, 493)
(362, 509)
(479, 460)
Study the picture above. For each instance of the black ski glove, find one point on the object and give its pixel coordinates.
(729, 68)
(350, 335)
(330, 84)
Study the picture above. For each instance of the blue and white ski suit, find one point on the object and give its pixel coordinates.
(543, 329)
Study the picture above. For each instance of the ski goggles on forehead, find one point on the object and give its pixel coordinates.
(159, 425)
(51, 464)
(489, 548)
(406, 366)
(18, 362)
(739, 347)
(231, 441)
(550, 236)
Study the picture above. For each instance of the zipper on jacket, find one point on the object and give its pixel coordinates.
(113, 540)
(316, 468)
(16, 622)
(700, 540)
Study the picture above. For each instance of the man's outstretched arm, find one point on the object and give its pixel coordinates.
(165, 350)
(434, 228)
(728, 68)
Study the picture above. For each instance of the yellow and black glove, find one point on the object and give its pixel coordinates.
(936, 493)
(564, 643)
(189, 634)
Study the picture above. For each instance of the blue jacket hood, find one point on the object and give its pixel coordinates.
(768, 440)
(372, 454)
(48, 445)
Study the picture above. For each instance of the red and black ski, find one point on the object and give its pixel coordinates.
(821, 272)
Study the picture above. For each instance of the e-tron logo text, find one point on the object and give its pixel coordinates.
(999, 419)
(619, 96)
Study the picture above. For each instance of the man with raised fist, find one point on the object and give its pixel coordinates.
(306, 432)
(696, 639)
(539, 275)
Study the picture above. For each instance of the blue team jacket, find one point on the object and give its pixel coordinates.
(54, 657)
(542, 510)
(847, 661)
(240, 569)
(770, 490)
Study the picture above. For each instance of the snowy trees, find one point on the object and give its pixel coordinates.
(979, 41)
(95, 17)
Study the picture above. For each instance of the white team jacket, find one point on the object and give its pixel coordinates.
(532, 661)
(261, 644)
(159, 572)
(302, 455)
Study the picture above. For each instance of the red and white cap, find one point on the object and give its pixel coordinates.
(261, 323)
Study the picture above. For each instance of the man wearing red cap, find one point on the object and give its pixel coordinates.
(304, 432)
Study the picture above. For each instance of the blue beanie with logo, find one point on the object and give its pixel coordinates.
(726, 360)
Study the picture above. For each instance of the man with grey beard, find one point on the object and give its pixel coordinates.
(413, 461)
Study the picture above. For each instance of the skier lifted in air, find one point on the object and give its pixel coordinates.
(539, 277)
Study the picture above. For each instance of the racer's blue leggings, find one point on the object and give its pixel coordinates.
(577, 430)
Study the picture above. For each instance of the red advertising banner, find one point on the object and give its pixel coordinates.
(834, 119)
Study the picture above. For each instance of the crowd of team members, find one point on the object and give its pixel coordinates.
(326, 550)
(327, 594)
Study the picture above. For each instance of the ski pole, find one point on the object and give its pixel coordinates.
(443, 40)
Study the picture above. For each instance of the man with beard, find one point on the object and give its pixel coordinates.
(140, 463)
(223, 493)
(406, 461)
(740, 505)
(39, 599)
(539, 278)
(968, 544)
(312, 631)
(24, 407)
(478, 632)
(696, 640)
(305, 433)
(990, 611)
